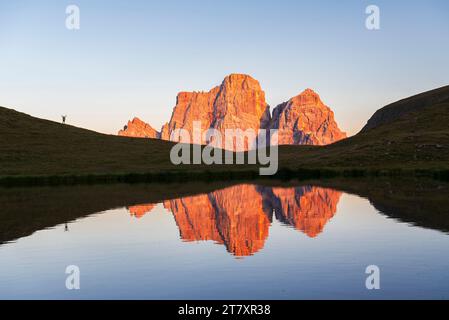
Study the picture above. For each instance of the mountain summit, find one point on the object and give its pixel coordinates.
(239, 103)
(305, 119)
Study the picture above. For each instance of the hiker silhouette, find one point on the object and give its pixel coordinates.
(63, 119)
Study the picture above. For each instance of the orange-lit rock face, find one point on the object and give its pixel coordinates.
(190, 107)
(238, 103)
(305, 119)
(307, 209)
(140, 210)
(138, 129)
(195, 217)
(232, 216)
(240, 216)
(241, 219)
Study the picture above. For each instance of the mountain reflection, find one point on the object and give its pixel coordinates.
(239, 217)
(307, 209)
(233, 216)
(236, 216)
(140, 210)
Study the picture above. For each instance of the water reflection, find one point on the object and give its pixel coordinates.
(233, 216)
(140, 210)
(307, 209)
(239, 217)
(318, 233)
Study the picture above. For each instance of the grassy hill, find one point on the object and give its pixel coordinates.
(32, 146)
(402, 138)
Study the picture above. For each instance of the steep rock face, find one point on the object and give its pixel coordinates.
(238, 103)
(190, 107)
(305, 119)
(138, 129)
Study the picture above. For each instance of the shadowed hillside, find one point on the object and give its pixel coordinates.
(397, 109)
(31, 146)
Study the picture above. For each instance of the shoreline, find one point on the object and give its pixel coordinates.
(284, 174)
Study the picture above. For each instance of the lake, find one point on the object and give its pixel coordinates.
(263, 240)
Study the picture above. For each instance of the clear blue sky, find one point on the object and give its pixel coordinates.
(130, 58)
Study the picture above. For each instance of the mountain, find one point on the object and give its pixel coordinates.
(138, 129)
(239, 103)
(305, 119)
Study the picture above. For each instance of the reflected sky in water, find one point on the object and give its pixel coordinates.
(240, 242)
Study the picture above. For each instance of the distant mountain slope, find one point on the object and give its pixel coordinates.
(397, 109)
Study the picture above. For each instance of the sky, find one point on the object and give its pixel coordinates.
(131, 58)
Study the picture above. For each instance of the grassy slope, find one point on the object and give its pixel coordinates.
(36, 147)
(31, 146)
(418, 140)
(417, 102)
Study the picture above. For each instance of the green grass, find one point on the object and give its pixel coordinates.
(417, 141)
(36, 151)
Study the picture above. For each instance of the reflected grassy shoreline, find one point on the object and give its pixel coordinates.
(216, 175)
(419, 201)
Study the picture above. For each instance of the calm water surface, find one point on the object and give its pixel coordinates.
(237, 242)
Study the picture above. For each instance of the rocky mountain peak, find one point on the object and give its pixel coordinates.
(239, 103)
(305, 119)
(138, 129)
(238, 81)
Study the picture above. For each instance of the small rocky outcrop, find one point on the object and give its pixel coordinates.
(138, 129)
